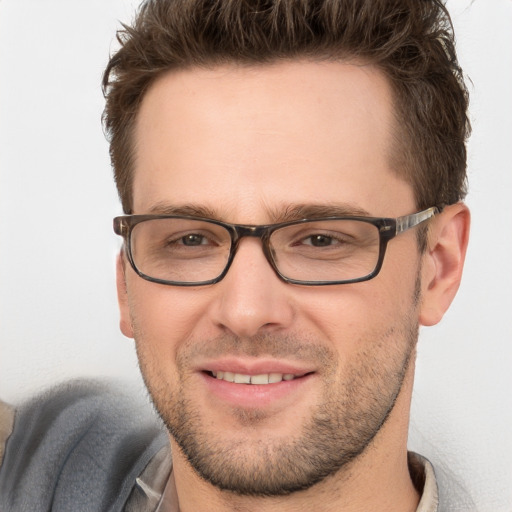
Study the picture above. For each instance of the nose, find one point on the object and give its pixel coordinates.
(251, 298)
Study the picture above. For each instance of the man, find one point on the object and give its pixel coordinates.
(292, 175)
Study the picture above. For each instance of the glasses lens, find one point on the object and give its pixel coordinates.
(327, 250)
(180, 250)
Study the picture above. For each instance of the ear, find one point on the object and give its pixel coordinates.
(125, 322)
(443, 262)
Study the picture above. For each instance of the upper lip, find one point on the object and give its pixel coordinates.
(255, 367)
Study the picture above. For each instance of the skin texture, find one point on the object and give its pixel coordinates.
(250, 145)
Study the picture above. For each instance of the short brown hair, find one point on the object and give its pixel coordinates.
(411, 41)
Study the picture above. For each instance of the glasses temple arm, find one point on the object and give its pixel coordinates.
(409, 221)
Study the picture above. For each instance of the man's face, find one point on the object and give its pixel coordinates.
(250, 145)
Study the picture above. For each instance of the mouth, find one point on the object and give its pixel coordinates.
(260, 379)
(256, 385)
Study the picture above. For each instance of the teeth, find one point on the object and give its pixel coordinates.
(229, 376)
(275, 377)
(242, 379)
(264, 378)
(260, 379)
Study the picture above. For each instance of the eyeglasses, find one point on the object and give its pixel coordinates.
(191, 251)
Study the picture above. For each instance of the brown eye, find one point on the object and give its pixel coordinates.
(193, 240)
(320, 240)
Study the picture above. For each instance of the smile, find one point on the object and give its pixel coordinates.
(264, 378)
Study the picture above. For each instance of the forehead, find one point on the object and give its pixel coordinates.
(242, 140)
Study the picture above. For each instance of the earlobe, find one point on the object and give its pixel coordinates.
(443, 262)
(125, 322)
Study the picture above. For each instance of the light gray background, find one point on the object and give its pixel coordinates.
(58, 312)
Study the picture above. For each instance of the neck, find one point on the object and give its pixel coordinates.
(388, 489)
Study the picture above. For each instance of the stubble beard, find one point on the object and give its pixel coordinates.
(352, 411)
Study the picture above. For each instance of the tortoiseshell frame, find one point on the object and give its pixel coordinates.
(388, 229)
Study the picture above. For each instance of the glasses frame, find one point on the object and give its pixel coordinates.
(388, 229)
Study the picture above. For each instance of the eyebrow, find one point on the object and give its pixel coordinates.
(284, 213)
(316, 211)
(192, 210)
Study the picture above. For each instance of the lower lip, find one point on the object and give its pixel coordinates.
(254, 395)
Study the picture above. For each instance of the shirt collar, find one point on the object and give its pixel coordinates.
(424, 479)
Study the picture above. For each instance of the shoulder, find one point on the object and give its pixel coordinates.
(79, 446)
(6, 424)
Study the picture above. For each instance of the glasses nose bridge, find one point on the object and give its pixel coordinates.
(245, 231)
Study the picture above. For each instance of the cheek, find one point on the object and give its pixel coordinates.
(351, 316)
(347, 306)
(164, 317)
